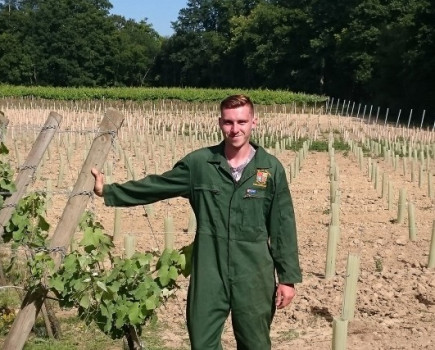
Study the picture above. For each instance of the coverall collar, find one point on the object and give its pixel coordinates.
(260, 161)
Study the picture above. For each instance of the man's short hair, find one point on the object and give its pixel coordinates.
(236, 101)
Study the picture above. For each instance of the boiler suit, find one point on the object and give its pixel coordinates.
(245, 234)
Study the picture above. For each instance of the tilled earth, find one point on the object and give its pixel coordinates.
(395, 302)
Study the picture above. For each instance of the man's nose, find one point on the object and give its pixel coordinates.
(235, 129)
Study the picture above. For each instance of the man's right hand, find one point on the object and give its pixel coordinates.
(99, 182)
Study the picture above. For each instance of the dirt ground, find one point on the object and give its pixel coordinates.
(395, 305)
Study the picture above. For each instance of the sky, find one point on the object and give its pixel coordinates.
(159, 13)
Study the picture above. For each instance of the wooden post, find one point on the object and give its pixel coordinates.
(28, 169)
(67, 225)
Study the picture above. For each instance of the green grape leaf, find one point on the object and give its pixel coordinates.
(134, 314)
(56, 283)
(84, 301)
(173, 273)
(150, 303)
(102, 285)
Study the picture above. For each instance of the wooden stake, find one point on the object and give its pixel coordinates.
(28, 169)
(67, 225)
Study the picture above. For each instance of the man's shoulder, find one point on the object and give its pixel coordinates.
(204, 153)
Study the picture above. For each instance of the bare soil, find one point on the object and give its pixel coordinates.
(395, 305)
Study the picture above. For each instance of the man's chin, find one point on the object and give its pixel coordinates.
(236, 145)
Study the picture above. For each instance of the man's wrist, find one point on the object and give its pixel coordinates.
(288, 284)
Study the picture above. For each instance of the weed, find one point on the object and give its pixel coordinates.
(378, 264)
(291, 334)
(319, 146)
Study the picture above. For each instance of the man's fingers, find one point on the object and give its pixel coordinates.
(99, 181)
(95, 172)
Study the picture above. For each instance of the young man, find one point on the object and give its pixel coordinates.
(246, 231)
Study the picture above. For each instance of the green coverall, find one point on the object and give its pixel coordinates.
(245, 233)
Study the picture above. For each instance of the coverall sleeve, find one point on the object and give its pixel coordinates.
(150, 189)
(282, 231)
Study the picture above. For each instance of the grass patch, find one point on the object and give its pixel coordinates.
(76, 335)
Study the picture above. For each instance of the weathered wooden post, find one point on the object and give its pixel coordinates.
(27, 170)
(82, 191)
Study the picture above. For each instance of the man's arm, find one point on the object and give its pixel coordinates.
(152, 188)
(283, 241)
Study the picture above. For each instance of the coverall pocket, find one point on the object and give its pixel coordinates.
(206, 203)
(253, 221)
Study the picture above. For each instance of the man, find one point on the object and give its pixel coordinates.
(246, 231)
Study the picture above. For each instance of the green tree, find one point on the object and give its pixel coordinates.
(272, 41)
(15, 58)
(74, 40)
(404, 74)
(197, 54)
(357, 45)
(136, 46)
(56, 42)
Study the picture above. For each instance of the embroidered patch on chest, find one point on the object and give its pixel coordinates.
(251, 192)
(261, 178)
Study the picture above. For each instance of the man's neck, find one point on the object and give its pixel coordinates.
(237, 156)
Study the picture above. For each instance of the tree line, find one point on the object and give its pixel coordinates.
(379, 51)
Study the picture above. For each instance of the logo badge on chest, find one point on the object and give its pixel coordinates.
(261, 178)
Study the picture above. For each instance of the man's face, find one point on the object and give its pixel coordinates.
(236, 125)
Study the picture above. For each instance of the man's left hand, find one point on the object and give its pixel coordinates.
(284, 295)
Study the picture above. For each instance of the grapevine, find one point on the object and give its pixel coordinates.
(116, 293)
